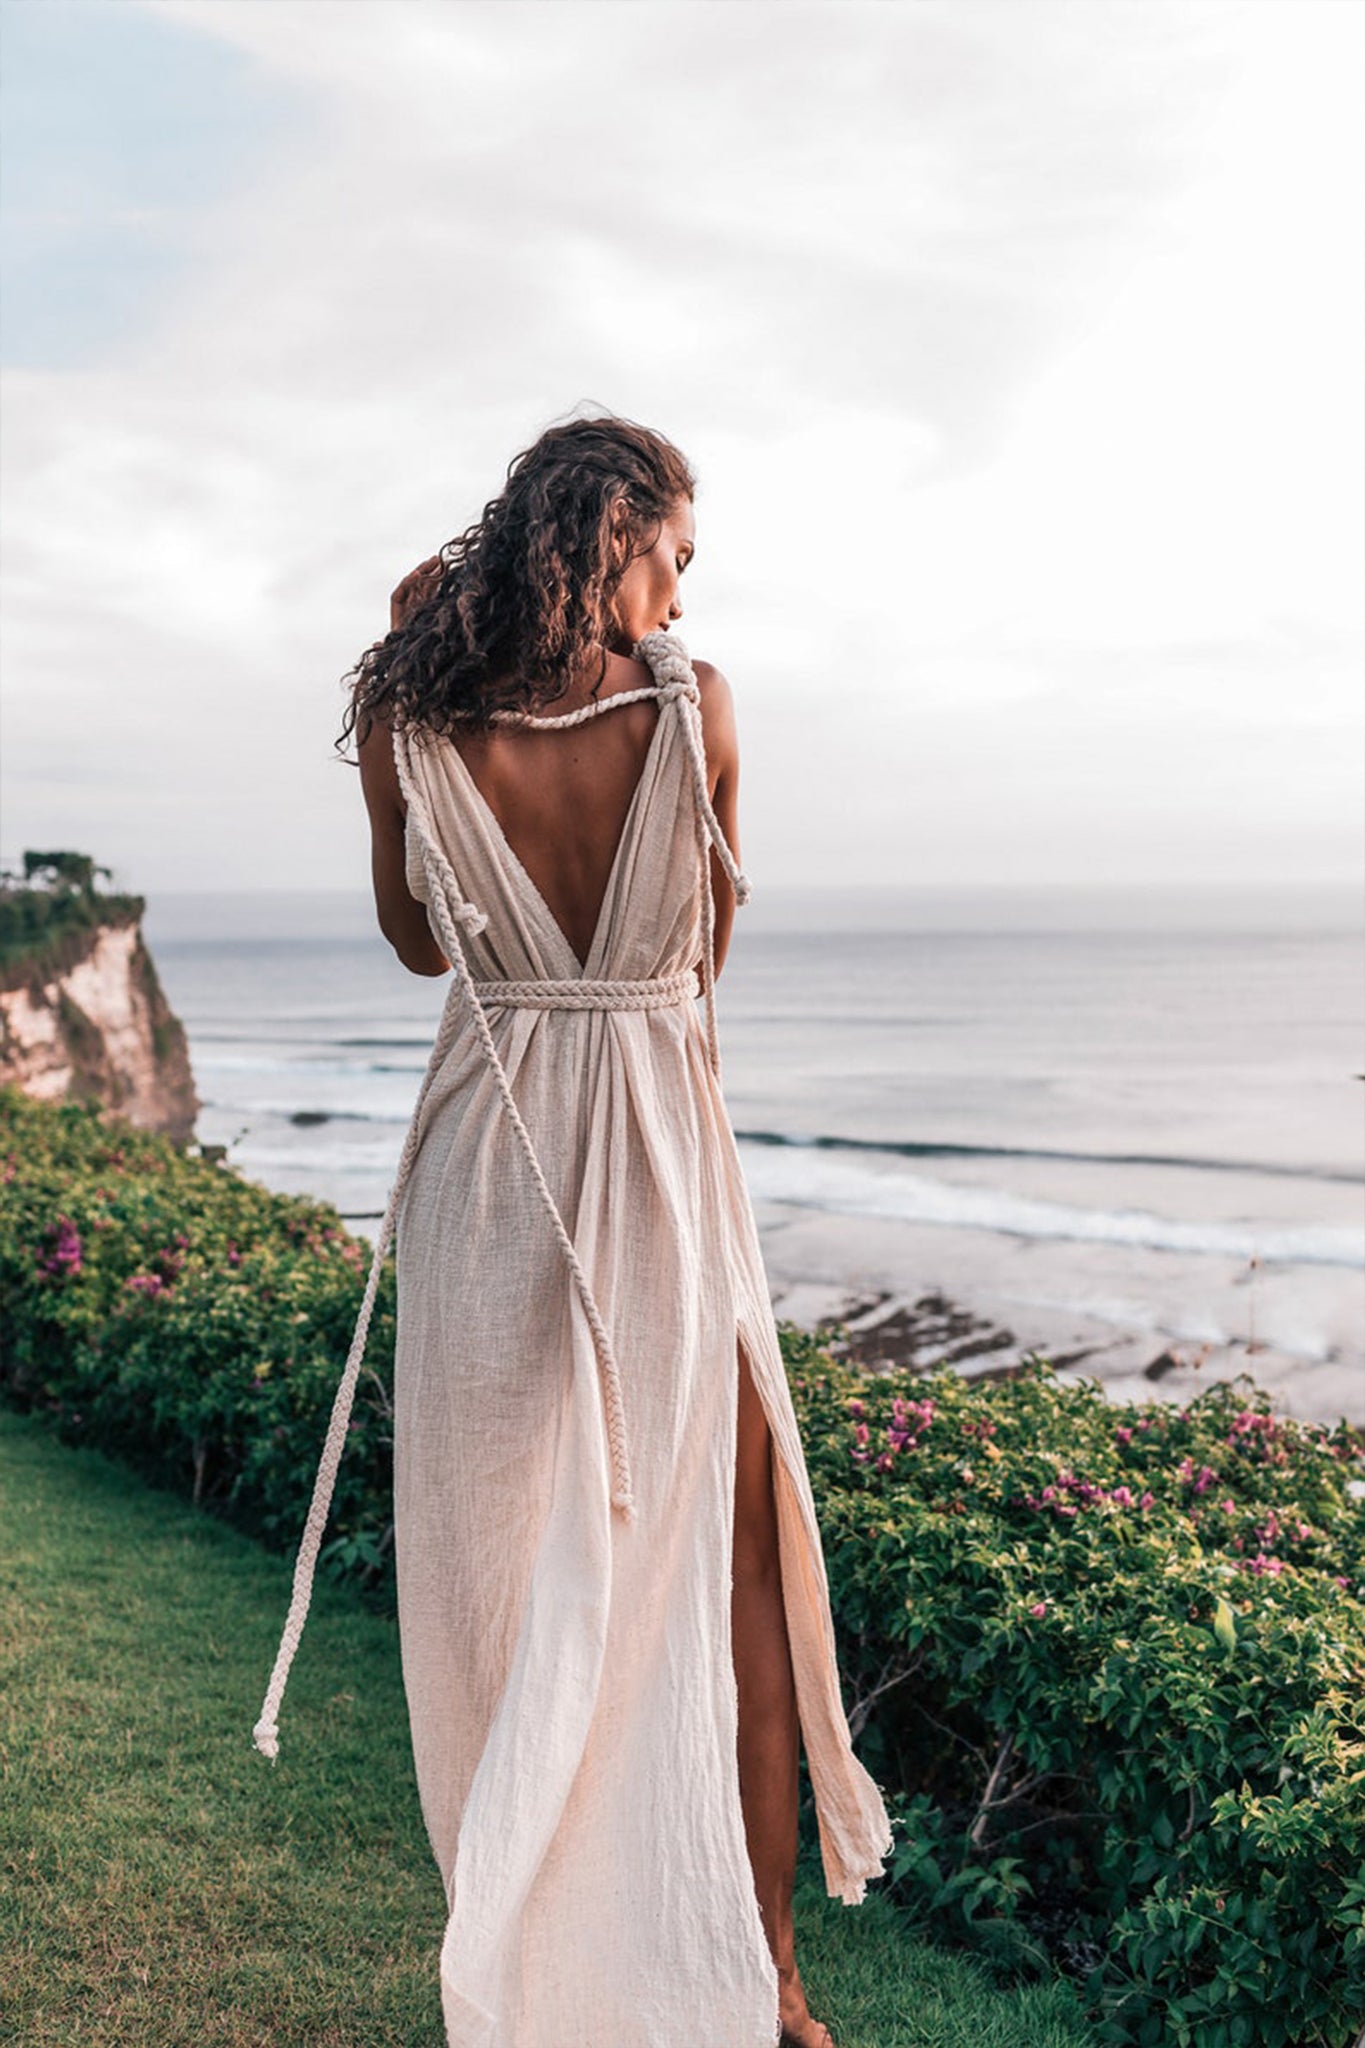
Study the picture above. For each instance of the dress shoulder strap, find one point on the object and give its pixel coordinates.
(586, 711)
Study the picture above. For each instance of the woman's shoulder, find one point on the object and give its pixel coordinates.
(717, 697)
(716, 704)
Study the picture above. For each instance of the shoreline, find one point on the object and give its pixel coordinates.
(920, 1296)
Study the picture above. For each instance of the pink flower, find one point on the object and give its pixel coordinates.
(1207, 1475)
(65, 1255)
(1261, 1563)
(860, 1433)
(1038, 1609)
(885, 1462)
(1148, 1500)
(1122, 1495)
(1229, 1506)
(1250, 1423)
(855, 1408)
(1123, 1436)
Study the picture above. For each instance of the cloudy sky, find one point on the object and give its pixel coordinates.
(1016, 344)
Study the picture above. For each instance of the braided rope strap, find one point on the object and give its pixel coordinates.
(661, 992)
(667, 657)
(266, 1732)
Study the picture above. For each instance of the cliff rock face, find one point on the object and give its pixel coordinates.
(99, 1028)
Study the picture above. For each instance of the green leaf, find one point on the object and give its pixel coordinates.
(1224, 1627)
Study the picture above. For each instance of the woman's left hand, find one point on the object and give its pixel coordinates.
(416, 587)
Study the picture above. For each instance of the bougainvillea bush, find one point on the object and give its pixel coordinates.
(1112, 1660)
(159, 1306)
(1107, 1661)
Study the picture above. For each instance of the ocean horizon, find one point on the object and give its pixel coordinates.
(1131, 1100)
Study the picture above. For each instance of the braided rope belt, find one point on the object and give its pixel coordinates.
(659, 992)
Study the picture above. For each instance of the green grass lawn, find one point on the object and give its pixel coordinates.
(164, 1885)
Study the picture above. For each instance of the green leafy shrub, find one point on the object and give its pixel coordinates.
(1111, 1660)
(1108, 1661)
(159, 1306)
(49, 917)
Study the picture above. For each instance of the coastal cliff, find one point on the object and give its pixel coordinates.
(83, 1015)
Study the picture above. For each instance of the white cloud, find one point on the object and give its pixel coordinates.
(1016, 349)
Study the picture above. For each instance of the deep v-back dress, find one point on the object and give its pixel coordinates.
(577, 1259)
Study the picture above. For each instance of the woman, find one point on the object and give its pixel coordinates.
(612, 1599)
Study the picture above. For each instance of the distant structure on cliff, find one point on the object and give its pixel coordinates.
(82, 1012)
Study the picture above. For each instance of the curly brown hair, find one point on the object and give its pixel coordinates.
(524, 600)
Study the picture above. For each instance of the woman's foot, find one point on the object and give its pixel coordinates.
(799, 2030)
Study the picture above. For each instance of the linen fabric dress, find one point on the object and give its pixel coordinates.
(565, 1441)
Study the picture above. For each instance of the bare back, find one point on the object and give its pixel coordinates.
(561, 799)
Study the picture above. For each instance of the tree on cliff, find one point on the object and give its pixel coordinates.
(71, 870)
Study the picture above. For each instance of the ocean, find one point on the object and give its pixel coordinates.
(1140, 1108)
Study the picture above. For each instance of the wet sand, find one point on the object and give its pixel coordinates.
(918, 1296)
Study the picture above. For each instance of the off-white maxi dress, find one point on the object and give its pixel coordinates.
(576, 1259)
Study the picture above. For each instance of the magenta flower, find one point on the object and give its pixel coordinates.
(860, 1433)
(1123, 1436)
(1251, 1423)
(1148, 1500)
(1261, 1563)
(885, 1462)
(1122, 1495)
(64, 1256)
(855, 1408)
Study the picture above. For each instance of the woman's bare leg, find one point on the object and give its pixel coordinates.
(768, 1727)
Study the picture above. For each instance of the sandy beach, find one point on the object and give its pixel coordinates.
(920, 1296)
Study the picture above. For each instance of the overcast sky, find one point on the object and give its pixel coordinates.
(1016, 344)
